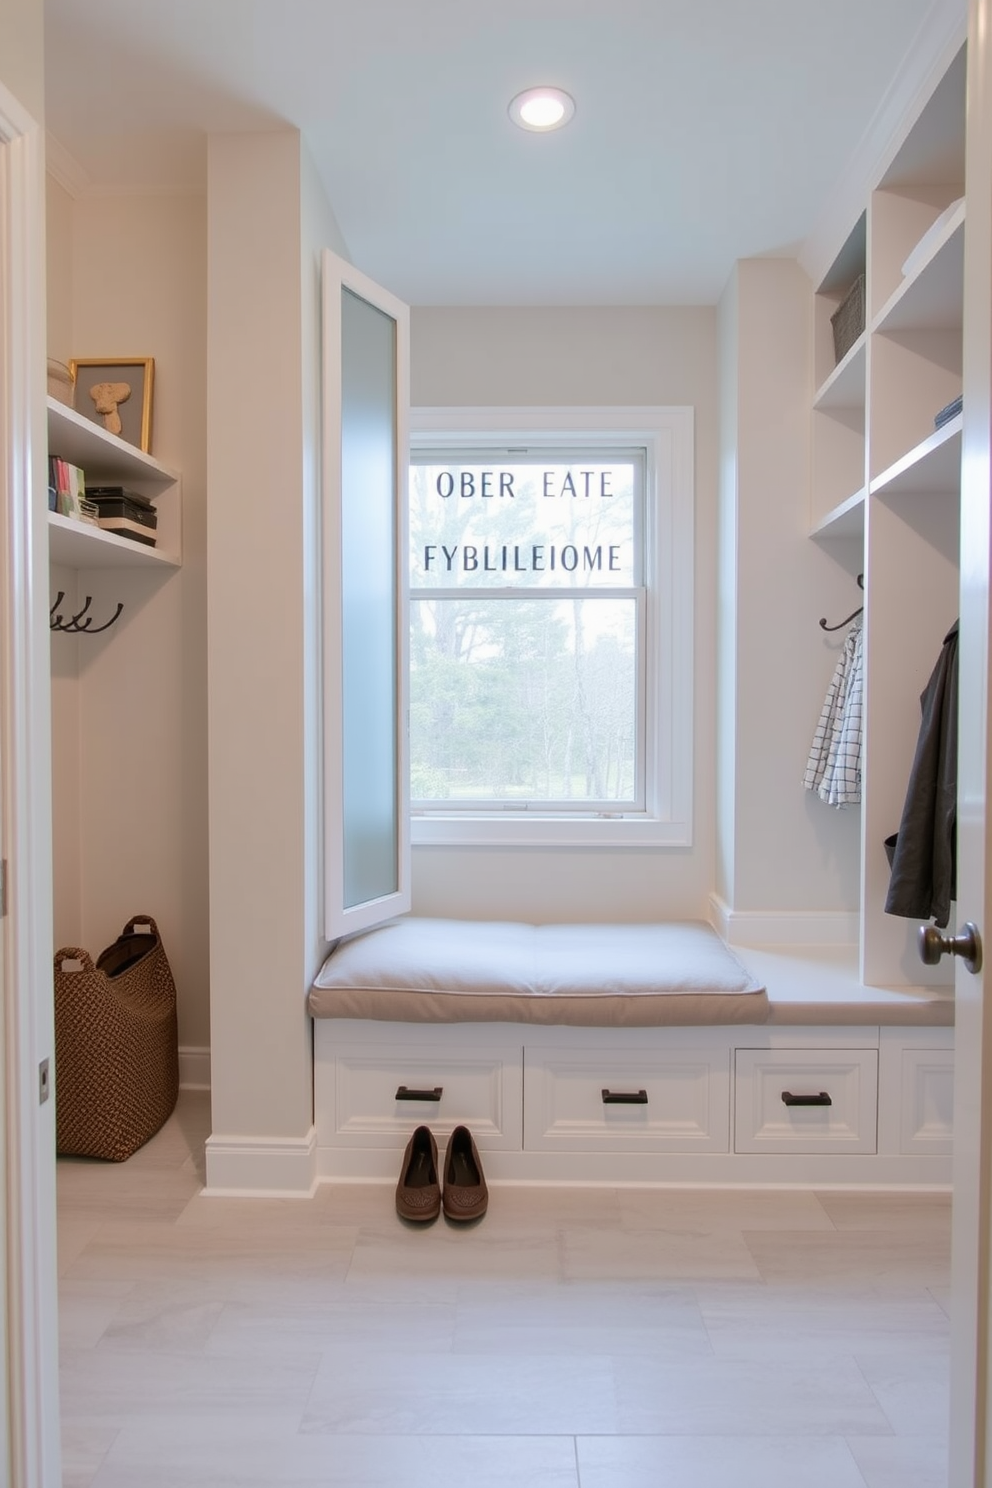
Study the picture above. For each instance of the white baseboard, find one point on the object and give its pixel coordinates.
(262, 1167)
(783, 927)
(194, 1069)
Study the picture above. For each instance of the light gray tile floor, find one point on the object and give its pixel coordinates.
(601, 1338)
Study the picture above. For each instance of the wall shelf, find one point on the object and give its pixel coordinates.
(105, 459)
(81, 545)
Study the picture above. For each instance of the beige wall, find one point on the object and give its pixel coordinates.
(58, 279)
(614, 356)
(258, 608)
(784, 849)
(22, 66)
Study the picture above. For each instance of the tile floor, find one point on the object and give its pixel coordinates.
(607, 1338)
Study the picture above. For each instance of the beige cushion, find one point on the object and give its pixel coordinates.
(451, 971)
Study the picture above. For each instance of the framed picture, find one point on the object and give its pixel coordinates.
(116, 393)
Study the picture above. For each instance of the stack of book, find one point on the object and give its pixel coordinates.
(124, 512)
(66, 489)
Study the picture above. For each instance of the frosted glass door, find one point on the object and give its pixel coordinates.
(366, 459)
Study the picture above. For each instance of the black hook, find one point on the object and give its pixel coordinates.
(96, 629)
(73, 626)
(853, 616)
(74, 622)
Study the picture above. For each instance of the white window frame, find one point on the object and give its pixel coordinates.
(666, 435)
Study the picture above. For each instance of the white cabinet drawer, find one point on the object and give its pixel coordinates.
(798, 1100)
(627, 1101)
(381, 1093)
(927, 1104)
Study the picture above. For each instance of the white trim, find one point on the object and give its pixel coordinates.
(941, 34)
(32, 1454)
(194, 1068)
(668, 436)
(785, 927)
(700, 1170)
(273, 1167)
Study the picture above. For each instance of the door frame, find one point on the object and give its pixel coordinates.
(27, 1125)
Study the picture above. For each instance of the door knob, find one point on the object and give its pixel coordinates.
(967, 945)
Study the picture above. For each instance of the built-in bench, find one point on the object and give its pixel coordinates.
(480, 971)
(627, 1053)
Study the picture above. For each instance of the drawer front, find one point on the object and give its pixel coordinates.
(381, 1094)
(927, 1105)
(797, 1100)
(627, 1102)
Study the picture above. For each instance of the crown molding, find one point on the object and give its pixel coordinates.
(64, 168)
(942, 32)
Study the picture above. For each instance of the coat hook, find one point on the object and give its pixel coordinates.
(74, 622)
(853, 615)
(76, 625)
(96, 629)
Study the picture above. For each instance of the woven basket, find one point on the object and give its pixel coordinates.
(848, 320)
(116, 1044)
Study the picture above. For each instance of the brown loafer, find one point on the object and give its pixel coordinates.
(465, 1193)
(418, 1193)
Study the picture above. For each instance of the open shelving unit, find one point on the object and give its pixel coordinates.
(885, 478)
(109, 460)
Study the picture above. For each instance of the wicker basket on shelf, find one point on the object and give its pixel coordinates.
(116, 1044)
(848, 320)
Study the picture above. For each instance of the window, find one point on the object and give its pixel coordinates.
(550, 625)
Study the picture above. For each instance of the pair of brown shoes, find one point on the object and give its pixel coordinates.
(419, 1196)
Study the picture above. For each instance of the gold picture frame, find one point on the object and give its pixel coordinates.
(129, 415)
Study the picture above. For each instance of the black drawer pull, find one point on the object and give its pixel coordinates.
(625, 1097)
(404, 1093)
(822, 1099)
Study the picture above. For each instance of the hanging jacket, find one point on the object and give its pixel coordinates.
(923, 852)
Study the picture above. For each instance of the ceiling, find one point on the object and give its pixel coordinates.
(705, 130)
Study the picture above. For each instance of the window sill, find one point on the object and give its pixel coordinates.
(547, 831)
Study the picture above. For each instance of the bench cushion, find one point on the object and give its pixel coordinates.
(416, 969)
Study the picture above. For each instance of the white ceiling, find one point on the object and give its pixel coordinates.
(705, 130)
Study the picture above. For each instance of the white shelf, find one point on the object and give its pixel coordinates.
(105, 459)
(932, 468)
(845, 387)
(82, 442)
(931, 299)
(847, 519)
(80, 545)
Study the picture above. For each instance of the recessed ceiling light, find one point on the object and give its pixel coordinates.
(541, 109)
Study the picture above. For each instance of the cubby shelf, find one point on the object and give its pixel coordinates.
(932, 468)
(845, 387)
(106, 459)
(932, 297)
(847, 519)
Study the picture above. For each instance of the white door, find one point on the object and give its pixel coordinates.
(29, 1368)
(366, 460)
(971, 1364)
